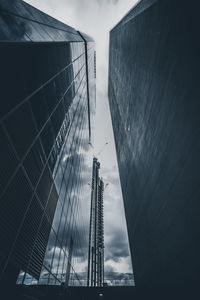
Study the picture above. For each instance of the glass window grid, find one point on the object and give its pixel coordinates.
(77, 49)
(74, 107)
(65, 152)
(70, 201)
(76, 239)
(72, 113)
(79, 185)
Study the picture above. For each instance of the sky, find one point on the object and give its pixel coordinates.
(96, 18)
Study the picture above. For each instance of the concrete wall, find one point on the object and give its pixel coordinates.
(154, 95)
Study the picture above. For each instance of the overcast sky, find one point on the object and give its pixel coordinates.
(96, 18)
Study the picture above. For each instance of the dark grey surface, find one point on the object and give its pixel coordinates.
(106, 293)
(154, 92)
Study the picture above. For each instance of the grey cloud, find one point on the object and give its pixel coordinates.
(106, 2)
(109, 269)
(119, 276)
(112, 274)
(117, 247)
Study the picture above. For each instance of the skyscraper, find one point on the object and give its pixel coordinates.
(154, 101)
(96, 234)
(48, 96)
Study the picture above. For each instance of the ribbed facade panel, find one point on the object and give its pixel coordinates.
(154, 101)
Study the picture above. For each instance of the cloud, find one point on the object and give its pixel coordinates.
(112, 276)
(117, 247)
(106, 2)
(109, 269)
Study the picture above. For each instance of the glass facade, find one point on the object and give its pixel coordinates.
(48, 89)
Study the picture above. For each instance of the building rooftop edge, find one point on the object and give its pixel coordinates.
(138, 8)
(22, 9)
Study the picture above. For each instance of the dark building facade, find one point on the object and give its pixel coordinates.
(154, 101)
(47, 96)
(96, 234)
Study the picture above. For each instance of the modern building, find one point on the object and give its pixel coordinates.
(154, 101)
(47, 100)
(96, 234)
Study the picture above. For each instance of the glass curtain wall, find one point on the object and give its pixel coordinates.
(68, 240)
(47, 72)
